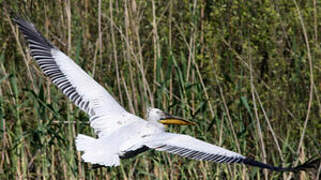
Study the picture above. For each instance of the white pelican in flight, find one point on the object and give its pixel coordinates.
(120, 133)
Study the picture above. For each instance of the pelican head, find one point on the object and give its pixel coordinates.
(157, 115)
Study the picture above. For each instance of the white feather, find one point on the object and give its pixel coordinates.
(105, 113)
(96, 152)
(190, 147)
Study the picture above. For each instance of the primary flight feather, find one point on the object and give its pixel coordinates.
(120, 134)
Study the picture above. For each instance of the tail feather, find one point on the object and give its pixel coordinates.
(85, 143)
(94, 152)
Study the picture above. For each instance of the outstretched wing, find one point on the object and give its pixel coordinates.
(187, 146)
(106, 115)
(193, 148)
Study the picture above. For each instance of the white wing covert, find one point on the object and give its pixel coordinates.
(106, 115)
(193, 148)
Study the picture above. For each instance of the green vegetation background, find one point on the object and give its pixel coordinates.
(247, 72)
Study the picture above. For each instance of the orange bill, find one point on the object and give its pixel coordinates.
(176, 121)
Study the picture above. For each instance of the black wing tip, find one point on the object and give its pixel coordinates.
(252, 162)
(30, 32)
(310, 164)
(22, 23)
(17, 19)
